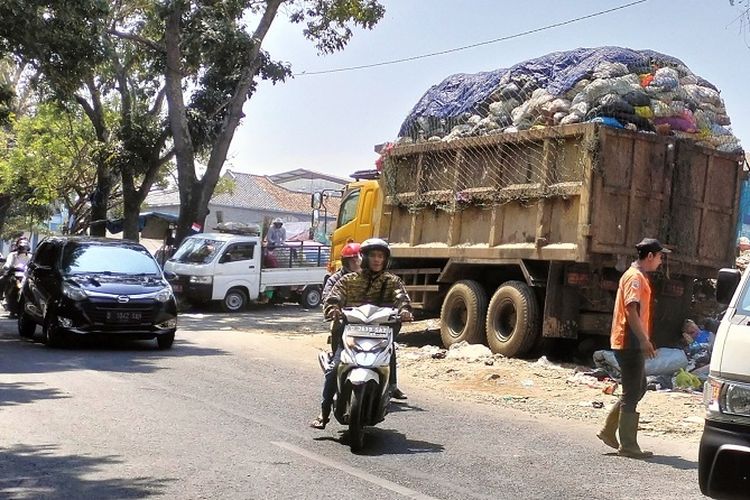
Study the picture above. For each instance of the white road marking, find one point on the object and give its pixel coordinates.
(383, 483)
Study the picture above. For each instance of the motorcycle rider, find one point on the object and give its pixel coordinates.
(350, 263)
(17, 258)
(372, 285)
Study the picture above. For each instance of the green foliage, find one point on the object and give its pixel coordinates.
(45, 158)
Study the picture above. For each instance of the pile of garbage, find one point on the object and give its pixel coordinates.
(684, 368)
(640, 90)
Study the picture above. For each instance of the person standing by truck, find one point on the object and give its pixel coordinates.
(631, 342)
(276, 234)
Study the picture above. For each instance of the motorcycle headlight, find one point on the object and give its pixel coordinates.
(74, 292)
(164, 295)
(726, 397)
(364, 344)
(201, 280)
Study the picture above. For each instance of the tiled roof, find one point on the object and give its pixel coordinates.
(249, 191)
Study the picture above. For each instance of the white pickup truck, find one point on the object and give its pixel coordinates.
(236, 269)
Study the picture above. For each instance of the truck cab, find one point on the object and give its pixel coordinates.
(359, 214)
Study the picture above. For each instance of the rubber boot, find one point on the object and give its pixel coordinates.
(608, 433)
(628, 437)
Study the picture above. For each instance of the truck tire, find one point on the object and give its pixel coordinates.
(234, 301)
(512, 320)
(311, 297)
(462, 314)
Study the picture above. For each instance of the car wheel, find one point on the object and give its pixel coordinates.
(311, 298)
(26, 325)
(53, 337)
(165, 341)
(234, 301)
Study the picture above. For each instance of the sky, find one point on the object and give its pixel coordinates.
(331, 123)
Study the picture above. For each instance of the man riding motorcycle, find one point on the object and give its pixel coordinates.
(372, 285)
(18, 258)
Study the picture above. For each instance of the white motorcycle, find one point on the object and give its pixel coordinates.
(362, 381)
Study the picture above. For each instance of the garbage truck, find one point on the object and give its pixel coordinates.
(514, 238)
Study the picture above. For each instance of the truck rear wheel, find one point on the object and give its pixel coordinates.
(512, 320)
(463, 312)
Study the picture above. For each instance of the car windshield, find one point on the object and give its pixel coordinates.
(197, 250)
(108, 259)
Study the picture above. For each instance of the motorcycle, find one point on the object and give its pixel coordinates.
(363, 392)
(13, 289)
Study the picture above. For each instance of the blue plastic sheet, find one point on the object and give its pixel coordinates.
(454, 96)
(557, 73)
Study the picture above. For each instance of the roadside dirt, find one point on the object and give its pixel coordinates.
(536, 386)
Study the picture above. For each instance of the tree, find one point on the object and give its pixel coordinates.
(209, 49)
(114, 73)
(49, 162)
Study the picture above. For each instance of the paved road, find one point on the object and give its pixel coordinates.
(224, 415)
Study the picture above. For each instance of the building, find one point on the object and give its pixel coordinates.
(257, 198)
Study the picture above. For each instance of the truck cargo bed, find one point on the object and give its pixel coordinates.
(580, 193)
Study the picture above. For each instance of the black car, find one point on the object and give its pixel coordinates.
(85, 286)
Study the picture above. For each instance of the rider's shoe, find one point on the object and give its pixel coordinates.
(398, 394)
(319, 423)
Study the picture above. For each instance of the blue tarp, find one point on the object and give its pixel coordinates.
(557, 72)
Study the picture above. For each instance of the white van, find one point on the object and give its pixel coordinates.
(236, 269)
(724, 457)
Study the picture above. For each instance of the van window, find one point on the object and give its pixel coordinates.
(239, 252)
(348, 208)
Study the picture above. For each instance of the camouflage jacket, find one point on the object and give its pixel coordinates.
(355, 289)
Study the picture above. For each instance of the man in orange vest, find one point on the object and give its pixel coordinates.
(631, 342)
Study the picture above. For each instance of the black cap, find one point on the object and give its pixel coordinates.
(651, 245)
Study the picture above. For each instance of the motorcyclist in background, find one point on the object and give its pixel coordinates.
(372, 285)
(17, 258)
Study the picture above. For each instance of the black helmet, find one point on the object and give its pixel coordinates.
(374, 244)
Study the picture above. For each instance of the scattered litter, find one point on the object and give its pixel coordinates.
(469, 352)
(527, 383)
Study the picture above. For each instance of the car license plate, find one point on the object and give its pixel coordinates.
(123, 316)
(176, 288)
(368, 330)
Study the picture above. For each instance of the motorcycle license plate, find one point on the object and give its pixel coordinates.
(368, 330)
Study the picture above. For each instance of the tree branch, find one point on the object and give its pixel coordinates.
(138, 39)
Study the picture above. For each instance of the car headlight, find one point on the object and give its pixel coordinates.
(164, 295)
(726, 397)
(201, 280)
(74, 292)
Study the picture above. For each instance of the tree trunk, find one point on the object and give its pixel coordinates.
(100, 199)
(195, 194)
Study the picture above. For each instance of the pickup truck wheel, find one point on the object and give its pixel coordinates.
(463, 312)
(512, 320)
(234, 301)
(311, 297)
